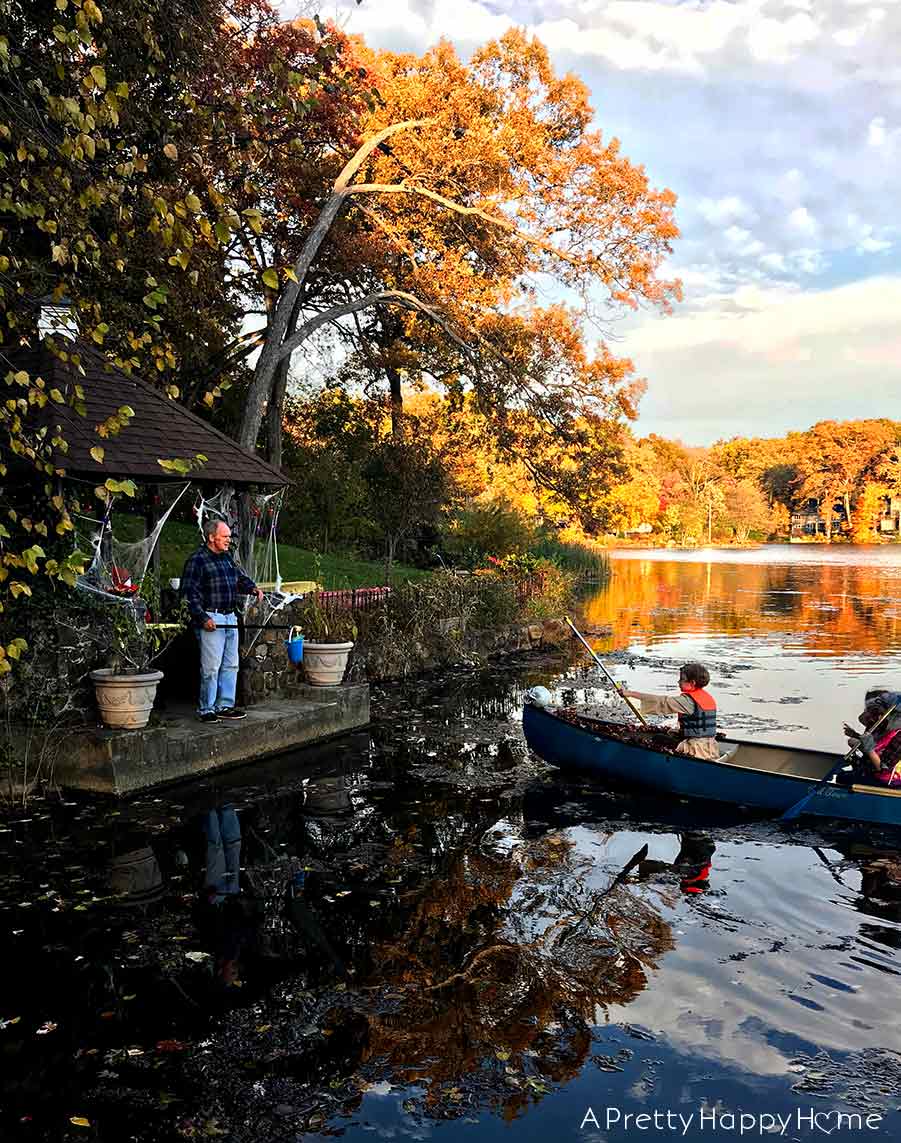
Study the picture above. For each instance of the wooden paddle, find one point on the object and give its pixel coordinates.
(798, 808)
(634, 709)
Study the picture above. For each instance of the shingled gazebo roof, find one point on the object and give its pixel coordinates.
(161, 429)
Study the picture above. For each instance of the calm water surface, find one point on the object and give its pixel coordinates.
(792, 634)
(507, 976)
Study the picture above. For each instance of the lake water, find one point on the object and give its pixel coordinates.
(793, 635)
(508, 980)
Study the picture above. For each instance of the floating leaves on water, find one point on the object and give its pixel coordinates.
(79, 1121)
(607, 1064)
(45, 1028)
(195, 954)
(7, 1023)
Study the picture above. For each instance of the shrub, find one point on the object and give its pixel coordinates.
(587, 561)
(483, 530)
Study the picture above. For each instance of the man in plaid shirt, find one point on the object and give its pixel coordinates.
(211, 583)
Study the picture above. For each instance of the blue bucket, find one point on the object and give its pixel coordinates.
(294, 646)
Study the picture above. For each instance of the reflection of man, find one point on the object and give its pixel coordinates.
(211, 583)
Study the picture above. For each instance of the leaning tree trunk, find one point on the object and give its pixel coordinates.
(397, 403)
(274, 412)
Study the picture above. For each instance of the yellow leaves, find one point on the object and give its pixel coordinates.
(15, 648)
(193, 203)
(126, 487)
(98, 454)
(17, 588)
(79, 1121)
(254, 219)
(270, 278)
(171, 152)
(98, 75)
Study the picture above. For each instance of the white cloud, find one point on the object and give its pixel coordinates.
(764, 359)
(729, 208)
(876, 132)
(803, 221)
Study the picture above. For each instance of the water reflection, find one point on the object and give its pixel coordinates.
(436, 931)
(829, 609)
(789, 643)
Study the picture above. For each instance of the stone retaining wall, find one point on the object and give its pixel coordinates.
(267, 673)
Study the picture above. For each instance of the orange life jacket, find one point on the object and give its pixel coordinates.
(701, 723)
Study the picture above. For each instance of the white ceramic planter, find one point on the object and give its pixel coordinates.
(125, 701)
(324, 664)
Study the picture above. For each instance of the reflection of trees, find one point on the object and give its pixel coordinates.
(497, 969)
(821, 608)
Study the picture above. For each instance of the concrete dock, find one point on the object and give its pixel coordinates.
(176, 746)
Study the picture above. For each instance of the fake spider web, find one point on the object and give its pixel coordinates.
(256, 512)
(116, 569)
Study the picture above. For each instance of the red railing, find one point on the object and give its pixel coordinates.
(369, 598)
(354, 599)
(529, 588)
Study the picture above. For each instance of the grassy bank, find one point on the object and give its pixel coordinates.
(180, 539)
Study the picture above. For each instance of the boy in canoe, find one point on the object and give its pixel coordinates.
(695, 708)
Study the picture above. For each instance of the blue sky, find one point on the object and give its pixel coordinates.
(778, 124)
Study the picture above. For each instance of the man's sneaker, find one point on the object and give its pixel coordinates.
(210, 716)
(232, 712)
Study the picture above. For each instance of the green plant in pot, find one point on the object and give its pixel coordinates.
(126, 686)
(329, 637)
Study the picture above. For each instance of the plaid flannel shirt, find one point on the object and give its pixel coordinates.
(212, 581)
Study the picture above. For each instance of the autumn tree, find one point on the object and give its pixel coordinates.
(835, 460)
(635, 500)
(472, 179)
(867, 511)
(888, 470)
(745, 509)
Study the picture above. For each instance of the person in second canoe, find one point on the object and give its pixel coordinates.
(695, 708)
(881, 748)
(886, 698)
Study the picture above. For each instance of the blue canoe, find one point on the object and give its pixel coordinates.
(759, 775)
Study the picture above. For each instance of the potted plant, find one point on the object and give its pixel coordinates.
(126, 687)
(328, 639)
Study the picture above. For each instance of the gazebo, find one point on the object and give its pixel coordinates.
(160, 429)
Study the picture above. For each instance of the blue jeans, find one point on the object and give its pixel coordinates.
(223, 851)
(218, 663)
